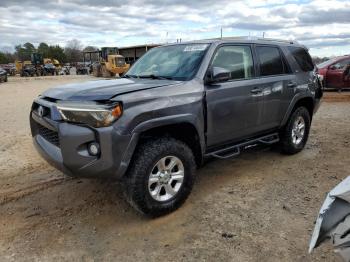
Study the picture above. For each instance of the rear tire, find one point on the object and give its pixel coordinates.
(296, 132)
(146, 186)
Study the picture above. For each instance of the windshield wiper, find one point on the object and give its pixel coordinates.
(130, 76)
(156, 77)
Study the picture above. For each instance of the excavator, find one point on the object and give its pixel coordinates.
(110, 63)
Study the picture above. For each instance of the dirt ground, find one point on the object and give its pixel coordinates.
(260, 206)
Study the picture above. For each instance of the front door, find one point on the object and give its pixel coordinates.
(335, 74)
(234, 107)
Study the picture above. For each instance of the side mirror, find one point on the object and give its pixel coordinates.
(218, 74)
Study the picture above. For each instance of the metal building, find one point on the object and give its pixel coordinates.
(132, 53)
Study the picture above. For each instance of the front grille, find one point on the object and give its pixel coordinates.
(48, 134)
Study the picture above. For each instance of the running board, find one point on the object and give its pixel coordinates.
(235, 150)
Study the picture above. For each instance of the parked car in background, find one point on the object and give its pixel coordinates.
(334, 72)
(10, 69)
(28, 70)
(65, 70)
(50, 69)
(3, 75)
(83, 68)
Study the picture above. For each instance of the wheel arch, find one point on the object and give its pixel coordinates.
(183, 128)
(306, 101)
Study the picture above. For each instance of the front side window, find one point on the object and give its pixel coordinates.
(271, 61)
(237, 60)
(302, 57)
(341, 65)
(178, 62)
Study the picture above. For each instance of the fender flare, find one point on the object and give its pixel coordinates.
(173, 119)
(291, 106)
(159, 122)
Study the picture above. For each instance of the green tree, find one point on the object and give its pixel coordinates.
(57, 52)
(43, 49)
(4, 58)
(24, 52)
(29, 47)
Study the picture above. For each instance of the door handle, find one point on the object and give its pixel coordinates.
(292, 84)
(256, 91)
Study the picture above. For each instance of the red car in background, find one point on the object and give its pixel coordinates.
(335, 72)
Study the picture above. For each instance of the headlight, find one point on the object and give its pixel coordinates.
(93, 114)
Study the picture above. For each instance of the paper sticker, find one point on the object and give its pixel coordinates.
(194, 48)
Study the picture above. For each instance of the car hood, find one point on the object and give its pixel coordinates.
(103, 89)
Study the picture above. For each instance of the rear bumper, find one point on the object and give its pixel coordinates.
(70, 154)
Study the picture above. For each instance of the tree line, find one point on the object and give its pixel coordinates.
(72, 52)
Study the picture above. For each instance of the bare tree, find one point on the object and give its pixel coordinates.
(73, 51)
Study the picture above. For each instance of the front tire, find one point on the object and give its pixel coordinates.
(296, 132)
(160, 176)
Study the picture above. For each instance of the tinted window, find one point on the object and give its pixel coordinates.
(302, 57)
(341, 65)
(271, 62)
(236, 59)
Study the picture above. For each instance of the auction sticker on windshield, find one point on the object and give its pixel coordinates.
(194, 48)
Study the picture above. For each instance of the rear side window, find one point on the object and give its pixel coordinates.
(271, 61)
(303, 58)
(236, 59)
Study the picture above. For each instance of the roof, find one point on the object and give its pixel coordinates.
(247, 39)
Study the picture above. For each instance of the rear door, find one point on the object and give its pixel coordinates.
(233, 107)
(277, 84)
(335, 74)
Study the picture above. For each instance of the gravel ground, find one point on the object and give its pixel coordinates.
(260, 206)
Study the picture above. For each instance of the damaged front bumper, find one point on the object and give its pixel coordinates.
(65, 145)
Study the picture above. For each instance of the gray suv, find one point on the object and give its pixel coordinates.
(178, 105)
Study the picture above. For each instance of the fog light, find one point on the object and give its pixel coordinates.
(94, 149)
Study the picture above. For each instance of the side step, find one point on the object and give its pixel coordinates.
(235, 150)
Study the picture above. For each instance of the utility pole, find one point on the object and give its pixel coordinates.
(221, 32)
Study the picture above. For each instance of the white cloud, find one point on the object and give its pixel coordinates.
(320, 24)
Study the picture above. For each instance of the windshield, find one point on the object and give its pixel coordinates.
(178, 62)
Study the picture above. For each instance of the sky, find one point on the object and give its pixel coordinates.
(321, 25)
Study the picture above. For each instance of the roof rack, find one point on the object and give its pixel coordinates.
(279, 40)
(256, 38)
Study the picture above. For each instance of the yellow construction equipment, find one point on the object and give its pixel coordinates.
(110, 63)
(20, 64)
(53, 61)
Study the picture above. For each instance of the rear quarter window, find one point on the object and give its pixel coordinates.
(302, 57)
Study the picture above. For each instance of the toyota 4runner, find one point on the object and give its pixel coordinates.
(178, 105)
